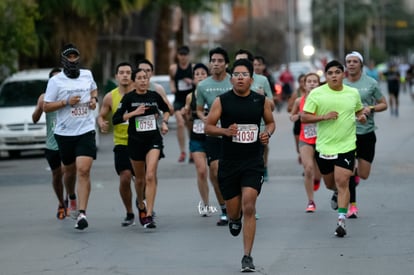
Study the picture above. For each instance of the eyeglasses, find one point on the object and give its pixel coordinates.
(145, 70)
(241, 74)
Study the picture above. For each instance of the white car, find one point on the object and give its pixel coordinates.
(18, 98)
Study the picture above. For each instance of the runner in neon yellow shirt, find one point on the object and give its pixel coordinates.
(333, 106)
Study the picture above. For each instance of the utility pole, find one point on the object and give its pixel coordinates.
(291, 28)
(341, 30)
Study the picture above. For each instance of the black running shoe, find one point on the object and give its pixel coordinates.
(235, 227)
(247, 264)
(149, 222)
(81, 222)
(340, 230)
(129, 220)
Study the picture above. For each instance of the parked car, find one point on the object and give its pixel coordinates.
(18, 98)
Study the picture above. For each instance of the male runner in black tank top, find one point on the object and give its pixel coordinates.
(241, 168)
(181, 84)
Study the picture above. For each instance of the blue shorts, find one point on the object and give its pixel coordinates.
(197, 146)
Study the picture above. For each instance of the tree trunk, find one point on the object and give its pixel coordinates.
(162, 41)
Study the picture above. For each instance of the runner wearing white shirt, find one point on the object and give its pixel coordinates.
(73, 94)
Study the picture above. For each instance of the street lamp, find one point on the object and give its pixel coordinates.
(308, 51)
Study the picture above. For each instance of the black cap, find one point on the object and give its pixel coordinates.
(70, 49)
(183, 50)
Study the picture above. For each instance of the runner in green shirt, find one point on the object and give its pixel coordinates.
(333, 106)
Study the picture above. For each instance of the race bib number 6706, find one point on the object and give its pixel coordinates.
(246, 133)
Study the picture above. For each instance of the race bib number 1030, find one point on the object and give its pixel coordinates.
(246, 133)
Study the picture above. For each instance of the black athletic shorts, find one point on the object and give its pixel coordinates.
(53, 158)
(366, 146)
(121, 159)
(139, 151)
(71, 147)
(235, 174)
(327, 166)
(213, 148)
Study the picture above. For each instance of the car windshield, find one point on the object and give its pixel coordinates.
(21, 93)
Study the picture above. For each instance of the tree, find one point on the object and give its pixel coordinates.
(78, 22)
(17, 33)
(325, 15)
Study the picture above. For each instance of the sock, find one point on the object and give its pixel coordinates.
(223, 209)
(352, 189)
(82, 212)
(130, 216)
(342, 213)
(72, 196)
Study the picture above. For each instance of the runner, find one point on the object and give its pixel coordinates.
(53, 157)
(207, 90)
(374, 102)
(198, 142)
(306, 143)
(74, 95)
(242, 166)
(333, 106)
(141, 108)
(121, 159)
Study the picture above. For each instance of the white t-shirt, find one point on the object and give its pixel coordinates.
(77, 119)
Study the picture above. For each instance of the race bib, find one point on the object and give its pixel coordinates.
(145, 123)
(198, 126)
(328, 157)
(309, 130)
(246, 133)
(80, 110)
(183, 86)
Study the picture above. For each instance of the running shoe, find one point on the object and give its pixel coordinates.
(67, 210)
(182, 157)
(61, 213)
(340, 230)
(235, 227)
(73, 209)
(352, 212)
(311, 207)
(247, 264)
(149, 222)
(223, 220)
(128, 221)
(316, 185)
(142, 214)
(334, 200)
(81, 222)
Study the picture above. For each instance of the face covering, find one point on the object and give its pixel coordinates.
(70, 68)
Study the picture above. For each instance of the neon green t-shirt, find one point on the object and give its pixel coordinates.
(335, 136)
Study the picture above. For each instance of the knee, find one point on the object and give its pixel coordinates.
(249, 209)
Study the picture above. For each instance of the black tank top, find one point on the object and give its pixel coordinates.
(241, 110)
(181, 87)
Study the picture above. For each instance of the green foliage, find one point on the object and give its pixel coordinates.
(17, 31)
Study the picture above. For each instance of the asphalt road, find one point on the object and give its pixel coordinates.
(288, 240)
